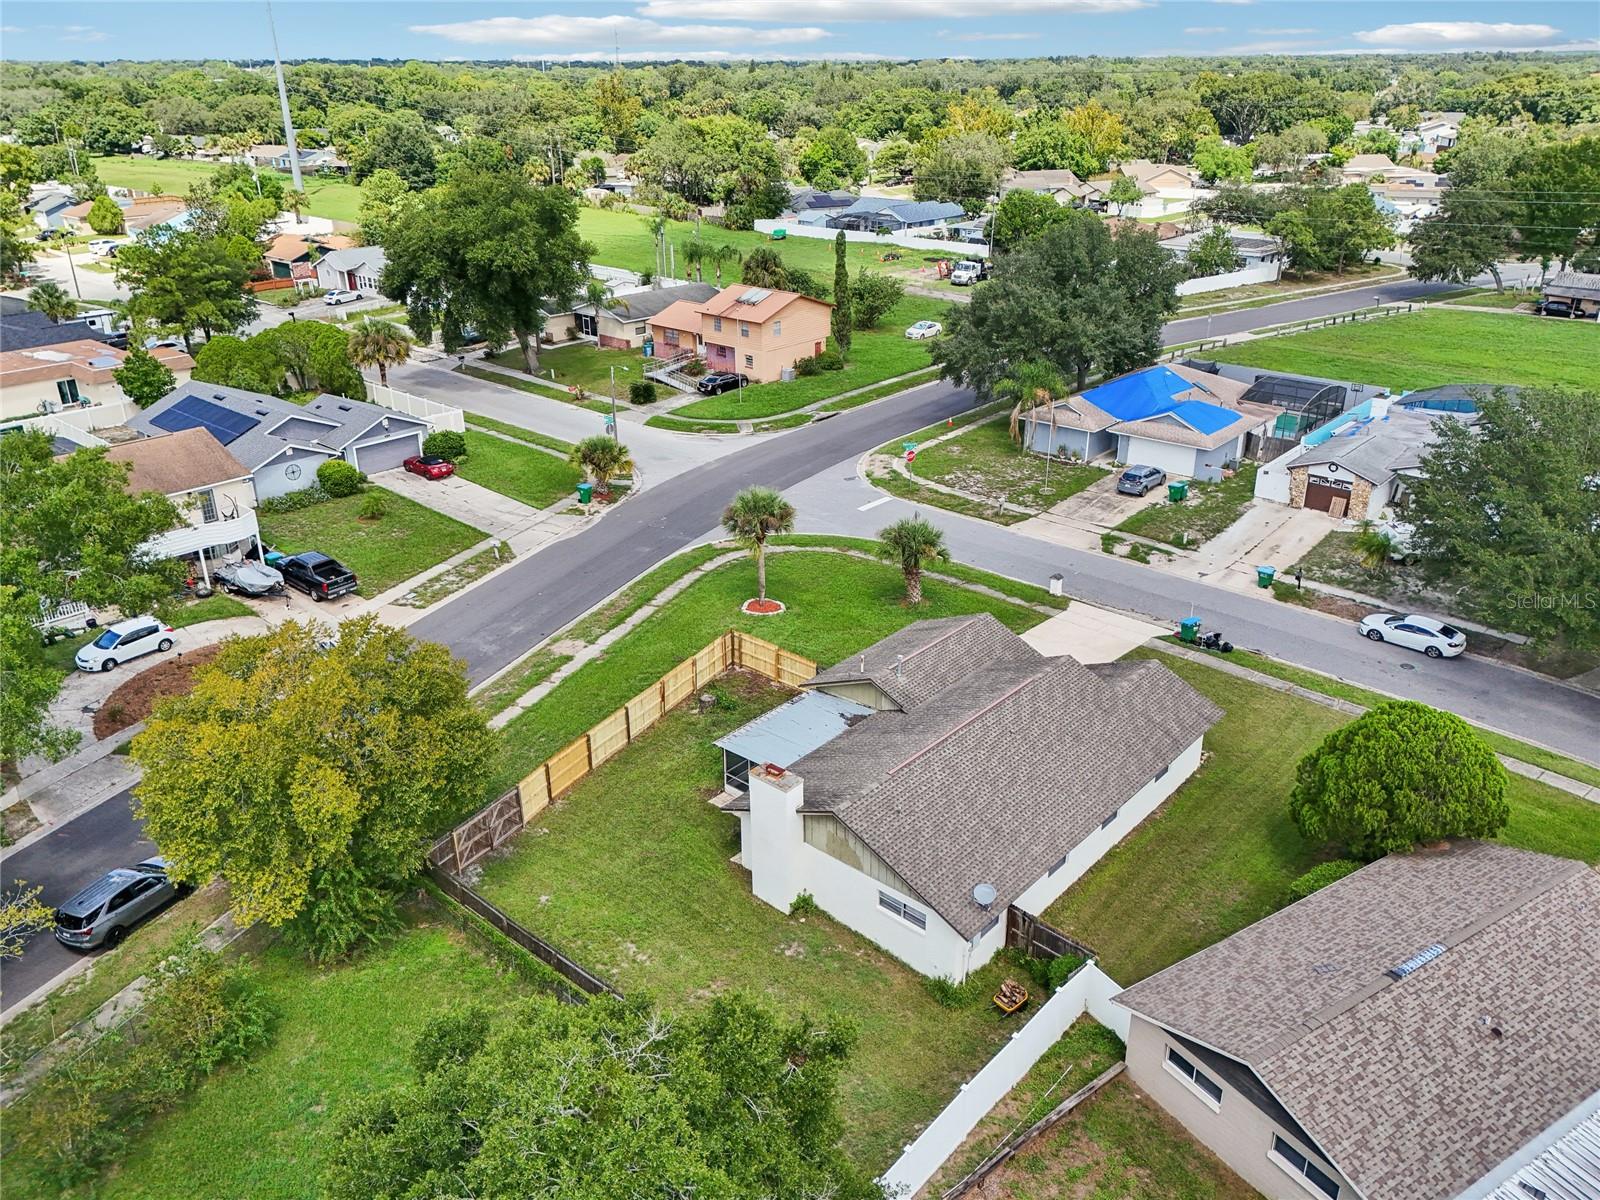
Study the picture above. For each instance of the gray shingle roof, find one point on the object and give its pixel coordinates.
(1380, 448)
(1414, 1087)
(1574, 283)
(1002, 762)
(636, 306)
(23, 329)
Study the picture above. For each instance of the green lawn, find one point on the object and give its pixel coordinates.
(261, 1130)
(583, 365)
(1427, 349)
(215, 607)
(527, 385)
(521, 472)
(874, 356)
(407, 540)
(1210, 508)
(882, 390)
(478, 421)
(629, 874)
(986, 462)
(837, 604)
(1220, 854)
(332, 198)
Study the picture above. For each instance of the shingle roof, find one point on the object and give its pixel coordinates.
(23, 329)
(680, 314)
(906, 211)
(1379, 448)
(178, 462)
(1413, 1087)
(1574, 283)
(637, 306)
(750, 303)
(1002, 762)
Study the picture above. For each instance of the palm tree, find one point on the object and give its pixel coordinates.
(295, 200)
(1032, 385)
(695, 253)
(763, 267)
(721, 254)
(53, 300)
(601, 457)
(380, 344)
(754, 515)
(913, 545)
(1373, 545)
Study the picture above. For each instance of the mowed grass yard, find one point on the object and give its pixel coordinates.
(986, 462)
(1209, 509)
(1221, 853)
(261, 1129)
(336, 199)
(406, 540)
(582, 365)
(629, 874)
(1431, 348)
(521, 472)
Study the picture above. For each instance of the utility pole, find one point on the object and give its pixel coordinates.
(283, 103)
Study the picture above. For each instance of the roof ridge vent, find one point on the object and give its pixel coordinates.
(1417, 961)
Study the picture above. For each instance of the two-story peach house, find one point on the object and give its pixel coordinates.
(756, 331)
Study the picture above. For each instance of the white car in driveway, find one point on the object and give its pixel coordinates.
(124, 640)
(924, 329)
(340, 296)
(1433, 637)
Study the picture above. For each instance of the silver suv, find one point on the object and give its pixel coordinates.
(104, 911)
(1136, 481)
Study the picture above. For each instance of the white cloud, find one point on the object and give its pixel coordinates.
(1202, 30)
(1278, 46)
(1237, 3)
(1446, 35)
(82, 33)
(12, 29)
(603, 32)
(876, 10)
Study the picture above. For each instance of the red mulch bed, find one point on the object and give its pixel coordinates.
(133, 700)
(761, 608)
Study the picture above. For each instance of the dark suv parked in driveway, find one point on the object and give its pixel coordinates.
(317, 575)
(105, 910)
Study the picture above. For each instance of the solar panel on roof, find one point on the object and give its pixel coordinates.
(755, 295)
(191, 412)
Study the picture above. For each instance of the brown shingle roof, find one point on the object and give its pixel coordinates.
(177, 462)
(918, 662)
(729, 303)
(1415, 1087)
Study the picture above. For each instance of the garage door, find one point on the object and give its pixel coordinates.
(383, 456)
(1327, 495)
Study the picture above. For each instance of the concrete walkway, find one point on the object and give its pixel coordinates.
(1091, 634)
(470, 503)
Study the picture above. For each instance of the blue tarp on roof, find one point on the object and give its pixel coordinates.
(791, 731)
(1206, 418)
(1153, 392)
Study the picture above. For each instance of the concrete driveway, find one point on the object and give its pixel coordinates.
(1080, 520)
(468, 502)
(1092, 635)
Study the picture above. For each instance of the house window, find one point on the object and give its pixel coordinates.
(1115, 812)
(749, 360)
(638, 330)
(67, 390)
(670, 337)
(208, 506)
(1316, 1180)
(744, 329)
(911, 916)
(1207, 1088)
(716, 324)
(777, 328)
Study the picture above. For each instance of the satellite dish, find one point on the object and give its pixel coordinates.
(984, 894)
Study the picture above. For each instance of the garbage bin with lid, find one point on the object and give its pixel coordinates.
(1264, 576)
(272, 558)
(1178, 491)
(1189, 629)
(585, 492)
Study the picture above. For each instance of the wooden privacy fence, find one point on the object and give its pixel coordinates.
(492, 826)
(1033, 937)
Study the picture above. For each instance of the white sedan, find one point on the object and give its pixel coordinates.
(340, 296)
(1434, 638)
(924, 329)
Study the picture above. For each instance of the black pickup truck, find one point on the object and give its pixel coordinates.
(317, 575)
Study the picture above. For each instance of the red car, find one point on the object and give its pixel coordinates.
(431, 467)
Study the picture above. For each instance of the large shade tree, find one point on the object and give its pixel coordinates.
(487, 251)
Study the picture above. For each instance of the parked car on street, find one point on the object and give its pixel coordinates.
(118, 643)
(1137, 480)
(317, 575)
(430, 466)
(249, 578)
(1433, 637)
(718, 382)
(340, 296)
(104, 911)
(924, 329)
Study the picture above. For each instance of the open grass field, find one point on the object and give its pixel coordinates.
(1428, 349)
(836, 604)
(1210, 508)
(260, 1130)
(875, 355)
(583, 365)
(1221, 853)
(335, 199)
(406, 540)
(521, 472)
(629, 873)
(986, 462)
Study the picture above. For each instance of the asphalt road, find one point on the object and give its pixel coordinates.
(64, 862)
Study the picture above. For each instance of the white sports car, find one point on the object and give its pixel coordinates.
(1434, 638)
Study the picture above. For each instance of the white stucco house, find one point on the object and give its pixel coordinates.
(922, 787)
(356, 269)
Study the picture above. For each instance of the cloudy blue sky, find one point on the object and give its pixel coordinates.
(825, 29)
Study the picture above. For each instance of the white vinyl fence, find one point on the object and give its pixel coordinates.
(956, 250)
(1262, 273)
(439, 416)
(1089, 990)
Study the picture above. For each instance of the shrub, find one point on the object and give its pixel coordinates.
(1320, 876)
(339, 478)
(373, 506)
(295, 501)
(807, 367)
(642, 391)
(450, 1039)
(1060, 969)
(805, 905)
(446, 444)
(694, 368)
(830, 360)
(1402, 774)
(946, 992)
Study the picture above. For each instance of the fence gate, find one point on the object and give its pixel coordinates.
(1033, 937)
(487, 829)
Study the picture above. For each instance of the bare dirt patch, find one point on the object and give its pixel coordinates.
(133, 701)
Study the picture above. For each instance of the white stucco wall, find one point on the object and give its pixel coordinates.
(1260, 273)
(1174, 460)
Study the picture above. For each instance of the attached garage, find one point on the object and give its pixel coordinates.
(387, 454)
(1329, 494)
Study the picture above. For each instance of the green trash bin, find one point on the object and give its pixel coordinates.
(1178, 491)
(585, 492)
(1189, 629)
(1264, 576)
